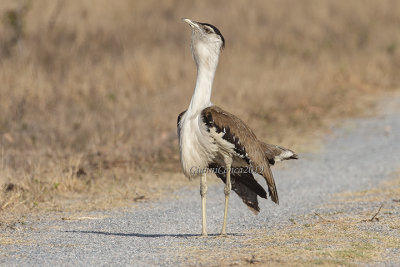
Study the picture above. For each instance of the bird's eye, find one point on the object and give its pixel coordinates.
(208, 30)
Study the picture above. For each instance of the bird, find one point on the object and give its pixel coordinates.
(214, 140)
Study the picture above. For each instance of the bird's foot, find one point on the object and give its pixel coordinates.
(222, 235)
(204, 234)
(201, 236)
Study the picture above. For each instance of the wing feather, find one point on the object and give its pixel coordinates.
(246, 143)
(245, 186)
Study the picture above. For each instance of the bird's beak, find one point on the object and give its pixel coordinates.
(192, 23)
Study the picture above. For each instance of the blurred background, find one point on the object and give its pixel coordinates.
(90, 90)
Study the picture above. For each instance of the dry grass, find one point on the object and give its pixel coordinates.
(348, 232)
(90, 92)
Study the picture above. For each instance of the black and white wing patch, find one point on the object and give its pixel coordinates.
(220, 123)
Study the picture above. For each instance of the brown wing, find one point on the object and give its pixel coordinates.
(265, 171)
(246, 143)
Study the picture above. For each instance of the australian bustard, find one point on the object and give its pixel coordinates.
(213, 139)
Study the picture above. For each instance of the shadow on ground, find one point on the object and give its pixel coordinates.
(149, 235)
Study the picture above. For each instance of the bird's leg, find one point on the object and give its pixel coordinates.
(203, 192)
(227, 191)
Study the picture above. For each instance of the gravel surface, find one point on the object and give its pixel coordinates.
(359, 155)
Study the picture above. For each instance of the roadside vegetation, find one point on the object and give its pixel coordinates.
(90, 93)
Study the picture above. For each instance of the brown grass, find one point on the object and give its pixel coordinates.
(90, 92)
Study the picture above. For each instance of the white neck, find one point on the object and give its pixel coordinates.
(202, 92)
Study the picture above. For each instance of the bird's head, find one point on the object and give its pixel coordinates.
(207, 42)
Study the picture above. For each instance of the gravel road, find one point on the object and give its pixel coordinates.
(360, 154)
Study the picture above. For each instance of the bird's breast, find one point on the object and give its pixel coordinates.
(197, 146)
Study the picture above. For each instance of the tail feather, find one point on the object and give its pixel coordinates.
(274, 153)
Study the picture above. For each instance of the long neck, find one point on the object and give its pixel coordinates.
(202, 92)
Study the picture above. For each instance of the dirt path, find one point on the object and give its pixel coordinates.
(312, 223)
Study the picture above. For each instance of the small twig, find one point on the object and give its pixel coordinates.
(374, 218)
(376, 214)
(54, 15)
(253, 260)
(139, 198)
(80, 218)
(321, 217)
